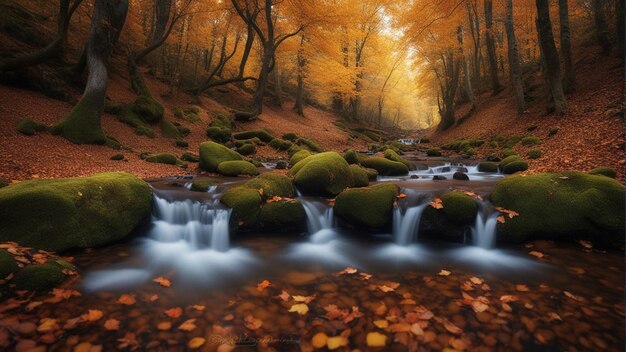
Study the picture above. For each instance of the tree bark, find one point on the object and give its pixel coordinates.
(569, 76)
(491, 48)
(466, 71)
(448, 84)
(550, 55)
(82, 125)
(601, 26)
(301, 62)
(514, 62)
(278, 87)
(53, 50)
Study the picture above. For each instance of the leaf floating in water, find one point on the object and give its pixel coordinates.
(401, 195)
(92, 315)
(437, 203)
(262, 285)
(305, 299)
(573, 296)
(319, 340)
(284, 296)
(522, 288)
(253, 323)
(444, 272)
(196, 342)
(174, 312)
(299, 308)
(349, 270)
(536, 254)
(112, 324)
(126, 299)
(162, 281)
(153, 298)
(188, 325)
(501, 219)
(376, 339)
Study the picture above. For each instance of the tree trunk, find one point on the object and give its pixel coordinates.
(299, 105)
(514, 62)
(278, 87)
(550, 55)
(266, 62)
(55, 48)
(246, 53)
(82, 125)
(569, 77)
(474, 25)
(491, 48)
(466, 71)
(448, 85)
(602, 30)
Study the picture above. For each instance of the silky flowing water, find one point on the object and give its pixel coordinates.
(570, 299)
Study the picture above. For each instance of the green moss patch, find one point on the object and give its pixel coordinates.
(148, 108)
(360, 177)
(487, 167)
(459, 208)
(272, 184)
(202, 185)
(60, 214)
(162, 158)
(219, 134)
(393, 156)
(351, 156)
(385, 167)
(530, 141)
(298, 156)
(237, 168)
(246, 149)
(604, 171)
(279, 144)
(29, 127)
(117, 157)
(282, 216)
(168, 130)
(369, 207)
(260, 134)
(245, 203)
(8, 264)
(324, 174)
(433, 152)
(212, 154)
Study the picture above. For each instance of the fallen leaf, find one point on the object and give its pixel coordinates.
(319, 340)
(196, 342)
(573, 296)
(174, 312)
(164, 325)
(305, 299)
(501, 219)
(153, 298)
(382, 324)
(348, 270)
(47, 325)
(32, 305)
(198, 307)
(262, 285)
(376, 339)
(284, 296)
(365, 276)
(128, 300)
(437, 203)
(522, 288)
(448, 325)
(128, 341)
(399, 327)
(536, 254)
(162, 281)
(401, 195)
(253, 323)
(188, 325)
(476, 281)
(336, 342)
(444, 273)
(509, 298)
(92, 315)
(417, 330)
(586, 244)
(299, 308)
(112, 324)
(554, 316)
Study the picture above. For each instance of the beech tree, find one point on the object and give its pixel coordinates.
(491, 47)
(515, 69)
(569, 76)
(550, 56)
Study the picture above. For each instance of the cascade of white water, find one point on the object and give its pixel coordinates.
(484, 231)
(319, 221)
(406, 226)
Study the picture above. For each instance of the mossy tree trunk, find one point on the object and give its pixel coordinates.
(514, 62)
(55, 48)
(491, 48)
(82, 125)
(550, 55)
(569, 77)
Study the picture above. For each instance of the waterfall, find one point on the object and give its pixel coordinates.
(484, 231)
(198, 224)
(319, 221)
(406, 227)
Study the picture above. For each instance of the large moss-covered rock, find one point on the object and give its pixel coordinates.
(369, 207)
(218, 133)
(604, 171)
(459, 208)
(8, 264)
(298, 156)
(260, 134)
(385, 167)
(39, 277)
(148, 108)
(509, 159)
(324, 174)
(351, 156)
(360, 178)
(212, 154)
(515, 166)
(562, 206)
(246, 204)
(393, 156)
(272, 184)
(282, 216)
(60, 214)
(202, 185)
(488, 167)
(246, 149)
(237, 168)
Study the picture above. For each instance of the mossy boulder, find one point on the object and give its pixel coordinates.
(360, 177)
(562, 206)
(246, 149)
(515, 166)
(117, 157)
(29, 127)
(282, 216)
(39, 277)
(459, 208)
(460, 176)
(148, 108)
(508, 152)
(298, 156)
(280, 144)
(530, 141)
(604, 171)
(385, 167)
(487, 167)
(162, 158)
(168, 130)
(212, 154)
(181, 143)
(272, 184)
(59, 214)
(260, 134)
(290, 136)
(393, 156)
(309, 144)
(245, 203)
(372, 174)
(219, 134)
(201, 185)
(190, 157)
(129, 117)
(237, 168)
(351, 156)
(509, 159)
(433, 152)
(8, 264)
(369, 207)
(324, 174)
(534, 154)
(255, 141)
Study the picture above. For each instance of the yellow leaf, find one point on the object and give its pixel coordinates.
(188, 325)
(92, 315)
(319, 340)
(112, 324)
(444, 273)
(335, 342)
(47, 325)
(383, 324)
(164, 325)
(162, 281)
(196, 342)
(299, 308)
(375, 339)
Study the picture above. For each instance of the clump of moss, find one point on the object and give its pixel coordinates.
(51, 214)
(508, 152)
(190, 157)
(162, 158)
(263, 135)
(487, 167)
(245, 116)
(459, 208)
(219, 134)
(604, 171)
(202, 185)
(562, 206)
(290, 137)
(433, 152)
(477, 142)
(169, 130)
(360, 177)
(293, 150)
(308, 144)
(117, 157)
(324, 174)
(369, 207)
(456, 145)
(212, 154)
(372, 174)
(553, 131)
(272, 184)
(534, 154)
(181, 143)
(351, 156)
(298, 156)
(280, 144)
(515, 166)
(282, 216)
(148, 108)
(237, 168)
(530, 141)
(184, 131)
(40, 277)
(385, 167)
(8, 265)
(469, 152)
(113, 143)
(3, 183)
(245, 203)
(512, 141)
(254, 141)
(246, 149)
(190, 114)
(393, 156)
(129, 117)
(29, 127)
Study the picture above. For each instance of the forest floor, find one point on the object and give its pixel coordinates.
(47, 156)
(590, 134)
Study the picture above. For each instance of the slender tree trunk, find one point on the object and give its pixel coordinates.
(246, 53)
(466, 71)
(448, 85)
(266, 62)
(82, 125)
(278, 87)
(299, 105)
(474, 25)
(491, 48)
(550, 55)
(602, 30)
(569, 76)
(514, 62)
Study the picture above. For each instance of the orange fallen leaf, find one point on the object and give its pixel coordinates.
(112, 324)
(126, 299)
(198, 307)
(262, 285)
(437, 203)
(228, 317)
(399, 327)
(335, 342)
(573, 296)
(401, 195)
(188, 325)
(509, 298)
(196, 342)
(164, 325)
(444, 273)
(476, 281)
(554, 316)
(319, 340)
(153, 298)
(284, 296)
(305, 299)
(536, 254)
(448, 325)
(349, 270)
(162, 281)
(417, 330)
(382, 324)
(365, 276)
(501, 219)
(128, 341)
(32, 305)
(48, 325)
(586, 244)
(92, 315)
(174, 312)
(299, 308)
(376, 339)
(252, 323)
(522, 288)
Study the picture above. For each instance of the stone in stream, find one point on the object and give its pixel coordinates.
(369, 207)
(281, 165)
(488, 167)
(462, 169)
(323, 174)
(393, 156)
(562, 206)
(512, 164)
(461, 176)
(439, 178)
(60, 214)
(360, 177)
(385, 167)
(212, 154)
(237, 168)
